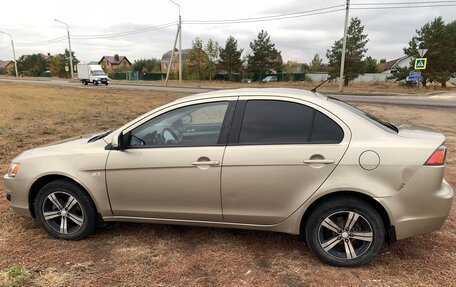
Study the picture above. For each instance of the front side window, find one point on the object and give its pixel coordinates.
(195, 125)
(279, 122)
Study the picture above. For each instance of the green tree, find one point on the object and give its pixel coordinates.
(212, 51)
(316, 65)
(354, 54)
(230, 57)
(61, 62)
(197, 60)
(290, 68)
(370, 65)
(32, 65)
(146, 65)
(440, 40)
(264, 58)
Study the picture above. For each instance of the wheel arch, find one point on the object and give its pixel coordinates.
(45, 179)
(390, 233)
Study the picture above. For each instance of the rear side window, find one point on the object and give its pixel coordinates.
(325, 130)
(269, 122)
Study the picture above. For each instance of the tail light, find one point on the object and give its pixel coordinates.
(437, 157)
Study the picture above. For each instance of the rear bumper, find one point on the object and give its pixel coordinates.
(421, 213)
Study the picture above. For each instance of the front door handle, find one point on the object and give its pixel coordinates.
(318, 161)
(207, 162)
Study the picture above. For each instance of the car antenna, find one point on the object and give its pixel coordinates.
(315, 89)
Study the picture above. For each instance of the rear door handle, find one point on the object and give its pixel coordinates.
(209, 162)
(318, 161)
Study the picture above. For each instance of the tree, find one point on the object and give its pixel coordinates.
(230, 57)
(61, 62)
(212, 51)
(440, 40)
(354, 54)
(316, 65)
(197, 60)
(146, 65)
(32, 65)
(264, 58)
(290, 67)
(370, 65)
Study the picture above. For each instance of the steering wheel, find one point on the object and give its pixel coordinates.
(168, 140)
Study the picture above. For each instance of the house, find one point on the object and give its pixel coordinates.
(111, 63)
(6, 64)
(47, 57)
(391, 66)
(175, 65)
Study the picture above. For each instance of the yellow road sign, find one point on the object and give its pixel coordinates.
(420, 63)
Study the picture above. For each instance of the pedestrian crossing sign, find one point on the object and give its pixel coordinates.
(420, 63)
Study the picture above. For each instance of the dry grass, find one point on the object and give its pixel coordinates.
(330, 87)
(126, 254)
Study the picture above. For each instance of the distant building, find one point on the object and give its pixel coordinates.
(6, 64)
(111, 63)
(175, 65)
(391, 66)
(47, 57)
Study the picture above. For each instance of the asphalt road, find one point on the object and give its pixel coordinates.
(437, 99)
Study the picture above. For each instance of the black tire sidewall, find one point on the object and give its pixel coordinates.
(80, 195)
(344, 204)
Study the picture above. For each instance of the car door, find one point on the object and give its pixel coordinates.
(279, 153)
(171, 166)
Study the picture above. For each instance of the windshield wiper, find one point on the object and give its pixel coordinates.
(97, 137)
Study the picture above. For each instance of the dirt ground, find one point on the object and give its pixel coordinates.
(126, 254)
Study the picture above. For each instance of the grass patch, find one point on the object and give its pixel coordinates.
(14, 276)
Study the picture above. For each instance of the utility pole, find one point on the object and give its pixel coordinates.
(14, 52)
(179, 34)
(344, 46)
(69, 46)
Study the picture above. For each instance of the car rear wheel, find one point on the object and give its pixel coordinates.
(345, 231)
(65, 210)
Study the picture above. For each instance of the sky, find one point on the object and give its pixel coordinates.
(297, 38)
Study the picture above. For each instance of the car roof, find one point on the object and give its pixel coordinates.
(286, 92)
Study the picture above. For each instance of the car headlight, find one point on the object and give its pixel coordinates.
(13, 169)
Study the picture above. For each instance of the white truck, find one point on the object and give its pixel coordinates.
(92, 74)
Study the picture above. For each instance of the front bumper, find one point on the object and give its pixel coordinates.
(17, 191)
(420, 213)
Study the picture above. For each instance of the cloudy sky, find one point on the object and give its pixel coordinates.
(298, 38)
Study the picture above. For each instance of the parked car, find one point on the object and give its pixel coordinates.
(281, 160)
(269, 79)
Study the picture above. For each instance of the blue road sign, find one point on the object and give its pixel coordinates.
(414, 77)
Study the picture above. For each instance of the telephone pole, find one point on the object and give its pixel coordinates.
(179, 34)
(344, 46)
(14, 52)
(69, 46)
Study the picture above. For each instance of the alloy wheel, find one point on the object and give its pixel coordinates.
(62, 212)
(345, 235)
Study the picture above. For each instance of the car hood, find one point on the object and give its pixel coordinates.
(419, 132)
(62, 145)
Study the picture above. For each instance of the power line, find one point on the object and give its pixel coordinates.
(403, 7)
(402, 3)
(126, 33)
(55, 40)
(318, 11)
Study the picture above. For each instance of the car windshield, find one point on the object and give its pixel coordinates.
(98, 73)
(389, 127)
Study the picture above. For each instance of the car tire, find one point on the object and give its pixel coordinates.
(344, 231)
(65, 210)
(95, 83)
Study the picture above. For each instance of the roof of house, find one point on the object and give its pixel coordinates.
(392, 64)
(114, 60)
(4, 64)
(167, 55)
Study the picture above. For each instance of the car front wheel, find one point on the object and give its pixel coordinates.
(65, 210)
(345, 231)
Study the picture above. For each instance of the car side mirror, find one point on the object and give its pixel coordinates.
(118, 141)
